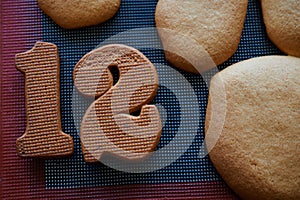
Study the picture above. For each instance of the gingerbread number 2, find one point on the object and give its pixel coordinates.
(43, 136)
(107, 125)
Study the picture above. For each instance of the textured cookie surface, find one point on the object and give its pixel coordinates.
(43, 136)
(191, 30)
(282, 20)
(107, 126)
(79, 13)
(252, 127)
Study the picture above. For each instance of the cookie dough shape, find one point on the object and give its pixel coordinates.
(43, 136)
(79, 13)
(255, 105)
(282, 20)
(186, 27)
(107, 126)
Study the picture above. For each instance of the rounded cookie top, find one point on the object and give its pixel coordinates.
(252, 127)
(79, 13)
(282, 20)
(196, 29)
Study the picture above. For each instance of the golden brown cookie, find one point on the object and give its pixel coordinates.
(79, 13)
(282, 20)
(193, 30)
(108, 126)
(43, 136)
(252, 127)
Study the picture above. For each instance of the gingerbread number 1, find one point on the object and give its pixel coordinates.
(107, 125)
(43, 136)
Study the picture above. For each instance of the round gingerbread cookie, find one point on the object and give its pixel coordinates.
(282, 20)
(79, 13)
(193, 30)
(252, 127)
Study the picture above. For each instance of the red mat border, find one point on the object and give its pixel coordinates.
(21, 27)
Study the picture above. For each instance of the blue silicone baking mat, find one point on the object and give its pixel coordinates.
(134, 25)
